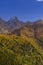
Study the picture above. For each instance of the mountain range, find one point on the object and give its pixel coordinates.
(29, 29)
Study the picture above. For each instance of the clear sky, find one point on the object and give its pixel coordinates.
(24, 9)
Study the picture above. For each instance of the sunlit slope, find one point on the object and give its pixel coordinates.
(20, 39)
(20, 50)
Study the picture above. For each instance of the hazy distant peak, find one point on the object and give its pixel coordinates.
(13, 18)
(2, 20)
(28, 21)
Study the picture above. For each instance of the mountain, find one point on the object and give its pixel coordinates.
(14, 23)
(21, 43)
(3, 24)
(11, 25)
(38, 27)
(29, 29)
(33, 30)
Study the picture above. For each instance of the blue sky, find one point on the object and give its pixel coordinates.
(24, 9)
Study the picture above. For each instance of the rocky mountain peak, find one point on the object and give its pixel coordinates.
(13, 19)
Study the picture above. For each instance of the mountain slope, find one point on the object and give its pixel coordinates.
(16, 50)
(38, 27)
(32, 30)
